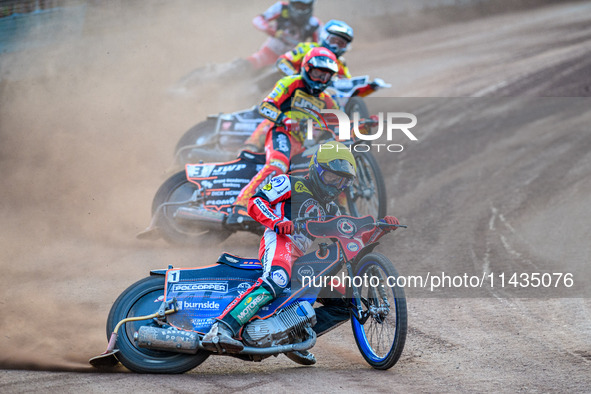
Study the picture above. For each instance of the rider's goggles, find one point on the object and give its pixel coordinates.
(337, 41)
(319, 75)
(300, 6)
(332, 179)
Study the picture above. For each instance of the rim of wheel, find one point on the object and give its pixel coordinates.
(365, 205)
(379, 331)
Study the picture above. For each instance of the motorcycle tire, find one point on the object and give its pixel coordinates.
(140, 299)
(357, 104)
(176, 189)
(182, 152)
(367, 194)
(381, 338)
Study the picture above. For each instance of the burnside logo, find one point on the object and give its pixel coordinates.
(200, 305)
(391, 126)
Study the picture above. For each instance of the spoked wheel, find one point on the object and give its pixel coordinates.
(141, 299)
(367, 195)
(176, 192)
(381, 337)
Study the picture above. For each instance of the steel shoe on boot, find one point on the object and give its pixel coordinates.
(220, 339)
(238, 215)
(303, 357)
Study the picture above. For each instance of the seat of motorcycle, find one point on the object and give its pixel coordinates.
(257, 158)
(239, 262)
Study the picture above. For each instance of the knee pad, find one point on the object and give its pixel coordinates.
(277, 280)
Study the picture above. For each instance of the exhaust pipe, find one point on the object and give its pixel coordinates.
(167, 339)
(201, 215)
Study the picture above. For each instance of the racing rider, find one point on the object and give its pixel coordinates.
(335, 36)
(286, 198)
(287, 24)
(285, 106)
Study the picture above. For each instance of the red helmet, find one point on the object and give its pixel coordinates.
(318, 67)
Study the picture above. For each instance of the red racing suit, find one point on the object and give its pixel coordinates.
(284, 198)
(287, 100)
(287, 198)
(284, 33)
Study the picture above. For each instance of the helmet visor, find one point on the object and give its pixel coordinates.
(300, 6)
(331, 179)
(337, 41)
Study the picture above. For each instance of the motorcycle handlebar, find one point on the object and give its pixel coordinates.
(386, 225)
(299, 225)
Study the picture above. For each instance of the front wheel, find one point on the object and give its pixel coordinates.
(357, 105)
(381, 337)
(140, 299)
(367, 194)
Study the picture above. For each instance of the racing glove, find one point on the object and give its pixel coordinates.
(390, 220)
(285, 227)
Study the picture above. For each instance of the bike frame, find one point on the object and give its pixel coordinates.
(201, 294)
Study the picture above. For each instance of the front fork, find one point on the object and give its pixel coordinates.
(379, 292)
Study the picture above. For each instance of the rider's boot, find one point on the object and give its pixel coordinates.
(238, 215)
(303, 357)
(221, 337)
(239, 312)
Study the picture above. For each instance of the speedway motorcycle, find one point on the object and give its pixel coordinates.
(193, 205)
(220, 136)
(157, 324)
(233, 71)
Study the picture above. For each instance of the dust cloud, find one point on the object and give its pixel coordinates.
(87, 131)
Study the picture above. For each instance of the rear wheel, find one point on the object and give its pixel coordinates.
(381, 337)
(367, 195)
(140, 299)
(178, 191)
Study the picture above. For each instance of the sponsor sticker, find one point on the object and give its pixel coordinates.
(206, 305)
(264, 209)
(280, 278)
(346, 226)
(306, 270)
(311, 209)
(216, 287)
(353, 246)
(301, 188)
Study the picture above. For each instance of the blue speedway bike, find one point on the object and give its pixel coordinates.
(157, 324)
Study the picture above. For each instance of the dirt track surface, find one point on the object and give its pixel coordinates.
(498, 182)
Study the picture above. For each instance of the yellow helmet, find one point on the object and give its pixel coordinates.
(332, 169)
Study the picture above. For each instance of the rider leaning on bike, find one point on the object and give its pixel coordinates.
(285, 199)
(335, 36)
(285, 106)
(287, 23)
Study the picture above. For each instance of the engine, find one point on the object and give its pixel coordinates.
(284, 327)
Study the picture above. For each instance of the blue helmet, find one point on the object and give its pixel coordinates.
(336, 36)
